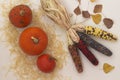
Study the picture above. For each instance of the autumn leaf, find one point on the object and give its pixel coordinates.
(96, 18)
(107, 67)
(98, 8)
(85, 14)
(77, 10)
(108, 22)
(92, 0)
(79, 1)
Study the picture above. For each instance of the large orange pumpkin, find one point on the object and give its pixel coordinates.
(33, 41)
(20, 16)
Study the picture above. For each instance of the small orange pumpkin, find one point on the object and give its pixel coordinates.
(46, 63)
(20, 16)
(33, 41)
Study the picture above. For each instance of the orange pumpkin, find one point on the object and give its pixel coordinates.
(20, 16)
(46, 63)
(33, 41)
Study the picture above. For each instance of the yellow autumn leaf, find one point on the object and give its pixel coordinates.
(92, 0)
(96, 18)
(107, 67)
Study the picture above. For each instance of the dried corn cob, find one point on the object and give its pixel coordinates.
(99, 33)
(83, 48)
(76, 57)
(94, 44)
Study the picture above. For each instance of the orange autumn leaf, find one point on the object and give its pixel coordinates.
(96, 18)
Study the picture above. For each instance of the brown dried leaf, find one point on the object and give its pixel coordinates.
(108, 22)
(97, 18)
(107, 67)
(98, 8)
(92, 0)
(85, 14)
(79, 1)
(77, 10)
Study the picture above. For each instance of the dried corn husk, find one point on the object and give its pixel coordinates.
(54, 10)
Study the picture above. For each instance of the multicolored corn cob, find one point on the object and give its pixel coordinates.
(94, 44)
(99, 33)
(83, 48)
(76, 57)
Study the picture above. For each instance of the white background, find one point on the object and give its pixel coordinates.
(111, 10)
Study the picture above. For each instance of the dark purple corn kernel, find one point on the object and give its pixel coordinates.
(83, 48)
(94, 44)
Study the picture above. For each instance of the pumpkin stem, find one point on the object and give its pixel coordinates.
(22, 12)
(52, 58)
(35, 40)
